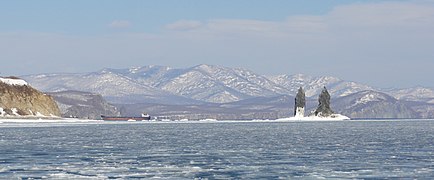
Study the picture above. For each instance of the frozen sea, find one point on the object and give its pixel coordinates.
(218, 150)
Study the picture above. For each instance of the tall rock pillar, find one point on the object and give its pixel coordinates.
(300, 103)
(324, 109)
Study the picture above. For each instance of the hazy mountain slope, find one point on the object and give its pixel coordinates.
(202, 82)
(201, 85)
(372, 104)
(115, 87)
(83, 104)
(421, 94)
(424, 110)
(103, 82)
(313, 85)
(222, 84)
(151, 75)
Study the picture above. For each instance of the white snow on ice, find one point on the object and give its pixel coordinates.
(333, 117)
(35, 120)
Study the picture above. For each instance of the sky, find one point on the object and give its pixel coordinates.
(386, 44)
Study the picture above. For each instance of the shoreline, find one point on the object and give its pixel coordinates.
(31, 117)
(90, 121)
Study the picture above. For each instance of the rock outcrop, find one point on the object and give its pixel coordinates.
(323, 109)
(85, 105)
(300, 103)
(17, 98)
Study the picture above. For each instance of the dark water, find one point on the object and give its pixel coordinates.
(253, 150)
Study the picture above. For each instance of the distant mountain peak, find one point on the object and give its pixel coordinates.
(206, 67)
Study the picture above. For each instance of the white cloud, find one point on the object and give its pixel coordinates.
(243, 27)
(370, 18)
(183, 25)
(120, 24)
(379, 15)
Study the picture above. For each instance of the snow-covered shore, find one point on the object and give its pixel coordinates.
(72, 120)
(333, 117)
(36, 120)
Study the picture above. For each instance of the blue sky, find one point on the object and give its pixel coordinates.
(91, 17)
(380, 43)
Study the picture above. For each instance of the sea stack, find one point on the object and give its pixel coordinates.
(300, 103)
(324, 109)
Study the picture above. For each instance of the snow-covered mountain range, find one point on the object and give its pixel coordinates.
(208, 84)
(203, 83)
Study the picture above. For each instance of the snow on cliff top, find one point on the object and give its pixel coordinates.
(13, 81)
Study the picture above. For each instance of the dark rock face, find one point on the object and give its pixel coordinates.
(324, 104)
(300, 102)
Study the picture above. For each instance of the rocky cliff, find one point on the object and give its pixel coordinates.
(83, 105)
(17, 98)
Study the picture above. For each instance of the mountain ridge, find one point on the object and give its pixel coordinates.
(231, 84)
(204, 84)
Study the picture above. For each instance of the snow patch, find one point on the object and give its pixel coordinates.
(299, 113)
(365, 99)
(15, 111)
(63, 120)
(13, 82)
(134, 69)
(368, 98)
(2, 112)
